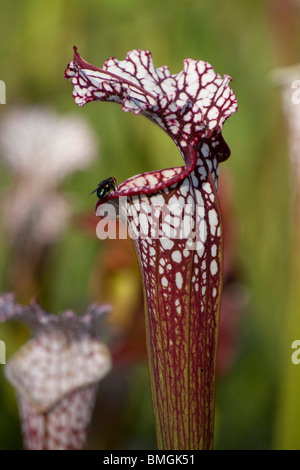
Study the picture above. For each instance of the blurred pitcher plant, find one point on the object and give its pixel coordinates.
(40, 148)
(173, 216)
(56, 373)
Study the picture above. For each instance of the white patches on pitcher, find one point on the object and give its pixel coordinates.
(152, 251)
(200, 249)
(176, 256)
(166, 243)
(144, 225)
(205, 150)
(157, 200)
(214, 250)
(207, 188)
(175, 207)
(152, 180)
(203, 230)
(185, 188)
(213, 113)
(201, 211)
(168, 231)
(179, 280)
(213, 220)
(213, 267)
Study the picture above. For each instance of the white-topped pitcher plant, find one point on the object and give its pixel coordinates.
(173, 216)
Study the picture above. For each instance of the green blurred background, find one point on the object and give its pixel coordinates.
(247, 40)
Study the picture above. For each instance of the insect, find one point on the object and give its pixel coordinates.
(105, 187)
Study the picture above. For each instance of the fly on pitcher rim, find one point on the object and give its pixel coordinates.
(105, 187)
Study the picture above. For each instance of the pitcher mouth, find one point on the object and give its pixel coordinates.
(190, 107)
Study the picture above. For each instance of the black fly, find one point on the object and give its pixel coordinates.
(105, 187)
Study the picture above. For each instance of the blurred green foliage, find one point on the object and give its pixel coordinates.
(36, 44)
